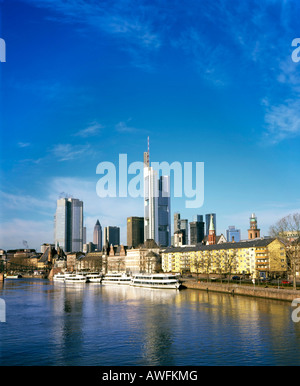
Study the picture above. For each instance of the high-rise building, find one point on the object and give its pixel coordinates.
(197, 230)
(111, 235)
(181, 225)
(135, 231)
(157, 222)
(233, 234)
(164, 215)
(176, 222)
(97, 236)
(184, 225)
(253, 232)
(207, 222)
(68, 225)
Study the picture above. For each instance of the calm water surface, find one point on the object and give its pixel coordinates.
(90, 324)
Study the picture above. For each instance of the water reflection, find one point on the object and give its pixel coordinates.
(122, 325)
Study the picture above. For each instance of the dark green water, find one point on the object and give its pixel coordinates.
(89, 324)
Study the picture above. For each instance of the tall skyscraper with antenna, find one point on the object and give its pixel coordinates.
(157, 221)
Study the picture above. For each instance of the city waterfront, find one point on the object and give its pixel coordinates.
(55, 324)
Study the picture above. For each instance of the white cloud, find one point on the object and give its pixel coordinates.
(14, 231)
(23, 144)
(282, 121)
(93, 129)
(109, 211)
(67, 152)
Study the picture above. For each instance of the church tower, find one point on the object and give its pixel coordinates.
(253, 232)
(212, 232)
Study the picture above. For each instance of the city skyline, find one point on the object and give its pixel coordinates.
(207, 82)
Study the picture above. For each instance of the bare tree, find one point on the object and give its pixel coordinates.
(287, 229)
(197, 265)
(230, 262)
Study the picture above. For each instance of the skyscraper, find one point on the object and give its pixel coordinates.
(164, 215)
(197, 230)
(181, 225)
(68, 224)
(157, 222)
(111, 235)
(135, 231)
(176, 222)
(97, 236)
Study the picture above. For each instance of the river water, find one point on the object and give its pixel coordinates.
(91, 324)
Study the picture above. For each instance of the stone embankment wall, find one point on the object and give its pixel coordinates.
(53, 272)
(235, 289)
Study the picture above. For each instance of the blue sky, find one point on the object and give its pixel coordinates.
(85, 81)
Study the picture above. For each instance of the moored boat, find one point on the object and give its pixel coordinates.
(158, 280)
(75, 278)
(59, 277)
(18, 276)
(116, 278)
(94, 277)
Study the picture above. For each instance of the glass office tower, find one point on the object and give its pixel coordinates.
(68, 224)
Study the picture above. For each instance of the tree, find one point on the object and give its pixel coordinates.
(287, 229)
(230, 262)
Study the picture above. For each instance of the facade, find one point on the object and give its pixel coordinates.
(150, 202)
(179, 238)
(207, 222)
(196, 232)
(176, 222)
(144, 259)
(164, 215)
(135, 231)
(232, 234)
(68, 224)
(157, 221)
(180, 225)
(97, 236)
(258, 258)
(253, 232)
(111, 235)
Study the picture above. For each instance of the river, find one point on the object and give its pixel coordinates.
(57, 324)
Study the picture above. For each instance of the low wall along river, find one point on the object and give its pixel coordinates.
(235, 289)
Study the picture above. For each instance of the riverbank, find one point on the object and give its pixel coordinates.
(236, 289)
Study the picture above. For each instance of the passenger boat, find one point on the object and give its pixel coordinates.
(94, 277)
(116, 278)
(156, 280)
(13, 276)
(75, 278)
(59, 277)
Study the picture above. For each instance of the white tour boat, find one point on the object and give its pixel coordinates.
(13, 276)
(59, 277)
(116, 278)
(75, 278)
(156, 280)
(94, 277)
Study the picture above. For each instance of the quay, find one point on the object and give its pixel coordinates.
(236, 289)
